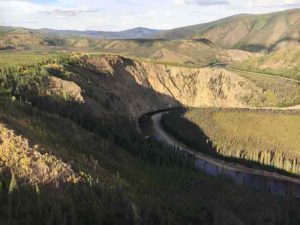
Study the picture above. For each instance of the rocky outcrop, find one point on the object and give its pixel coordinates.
(29, 164)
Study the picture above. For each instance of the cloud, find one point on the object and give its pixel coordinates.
(202, 2)
(68, 12)
(274, 3)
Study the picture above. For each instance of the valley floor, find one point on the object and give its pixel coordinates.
(256, 177)
(162, 135)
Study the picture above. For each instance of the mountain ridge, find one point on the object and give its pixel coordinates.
(252, 32)
(133, 33)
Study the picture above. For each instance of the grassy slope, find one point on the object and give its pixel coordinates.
(118, 173)
(265, 137)
(284, 62)
(248, 32)
(278, 92)
(193, 53)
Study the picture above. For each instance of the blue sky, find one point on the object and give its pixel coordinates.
(117, 15)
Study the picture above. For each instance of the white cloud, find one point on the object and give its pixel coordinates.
(201, 2)
(273, 3)
(68, 12)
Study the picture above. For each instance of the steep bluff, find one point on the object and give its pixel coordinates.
(146, 86)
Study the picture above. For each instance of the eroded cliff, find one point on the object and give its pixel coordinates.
(146, 86)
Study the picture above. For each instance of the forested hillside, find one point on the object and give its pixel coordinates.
(266, 137)
(71, 153)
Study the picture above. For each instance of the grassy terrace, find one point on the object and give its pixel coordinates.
(265, 137)
(18, 60)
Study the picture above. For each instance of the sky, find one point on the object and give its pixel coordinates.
(116, 15)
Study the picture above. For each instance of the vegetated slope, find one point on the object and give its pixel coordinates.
(266, 137)
(194, 53)
(123, 178)
(27, 162)
(21, 38)
(284, 62)
(249, 32)
(279, 91)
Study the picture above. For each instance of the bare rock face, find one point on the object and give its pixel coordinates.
(145, 86)
(202, 87)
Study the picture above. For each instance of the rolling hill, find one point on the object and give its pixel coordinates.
(265, 32)
(195, 53)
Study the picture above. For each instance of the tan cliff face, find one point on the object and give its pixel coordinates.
(144, 86)
(200, 87)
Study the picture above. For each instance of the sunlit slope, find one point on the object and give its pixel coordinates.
(11, 38)
(249, 32)
(284, 62)
(193, 53)
(196, 53)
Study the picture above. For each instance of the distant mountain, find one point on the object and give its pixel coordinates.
(135, 33)
(263, 32)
